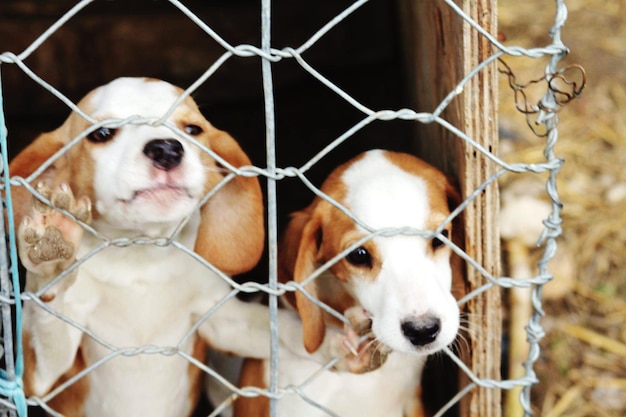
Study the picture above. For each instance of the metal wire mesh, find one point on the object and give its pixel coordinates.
(545, 124)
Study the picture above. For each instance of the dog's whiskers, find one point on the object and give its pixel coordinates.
(461, 343)
(377, 350)
(218, 169)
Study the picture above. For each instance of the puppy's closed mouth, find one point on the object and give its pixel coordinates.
(160, 194)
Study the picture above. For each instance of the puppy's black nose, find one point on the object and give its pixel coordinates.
(165, 154)
(422, 330)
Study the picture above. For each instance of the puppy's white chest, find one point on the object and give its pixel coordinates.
(145, 330)
(140, 295)
(137, 314)
(141, 313)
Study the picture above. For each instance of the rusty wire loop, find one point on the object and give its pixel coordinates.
(567, 84)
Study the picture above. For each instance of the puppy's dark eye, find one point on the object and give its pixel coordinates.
(102, 134)
(438, 243)
(360, 257)
(193, 130)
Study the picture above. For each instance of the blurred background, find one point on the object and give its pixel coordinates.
(583, 364)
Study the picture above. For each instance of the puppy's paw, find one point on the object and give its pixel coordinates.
(48, 239)
(358, 348)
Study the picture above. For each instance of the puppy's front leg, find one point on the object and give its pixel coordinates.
(47, 242)
(243, 329)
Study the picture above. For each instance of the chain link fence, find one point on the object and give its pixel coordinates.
(542, 119)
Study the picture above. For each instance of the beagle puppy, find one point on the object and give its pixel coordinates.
(135, 213)
(379, 268)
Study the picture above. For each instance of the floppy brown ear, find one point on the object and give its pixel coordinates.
(288, 248)
(231, 233)
(27, 162)
(313, 325)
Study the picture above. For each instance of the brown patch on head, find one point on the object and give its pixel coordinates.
(442, 196)
(154, 80)
(362, 262)
(437, 183)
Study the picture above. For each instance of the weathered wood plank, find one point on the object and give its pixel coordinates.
(441, 49)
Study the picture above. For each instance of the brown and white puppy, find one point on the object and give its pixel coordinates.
(119, 313)
(400, 281)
